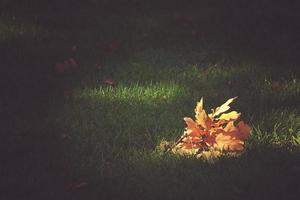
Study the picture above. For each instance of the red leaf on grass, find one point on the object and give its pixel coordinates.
(109, 82)
(67, 65)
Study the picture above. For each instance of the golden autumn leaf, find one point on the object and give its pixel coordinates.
(200, 115)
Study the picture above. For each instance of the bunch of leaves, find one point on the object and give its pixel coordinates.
(212, 135)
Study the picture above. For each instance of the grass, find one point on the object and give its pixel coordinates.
(61, 130)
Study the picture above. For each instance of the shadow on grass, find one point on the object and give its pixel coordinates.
(262, 173)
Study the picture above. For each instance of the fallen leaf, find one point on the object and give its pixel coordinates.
(223, 108)
(201, 117)
(230, 116)
(228, 143)
(244, 130)
(109, 82)
(66, 66)
(192, 127)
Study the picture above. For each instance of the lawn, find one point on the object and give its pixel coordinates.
(92, 89)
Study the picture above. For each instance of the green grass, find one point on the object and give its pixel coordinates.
(63, 129)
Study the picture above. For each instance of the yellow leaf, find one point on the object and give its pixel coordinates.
(199, 107)
(223, 108)
(201, 117)
(230, 116)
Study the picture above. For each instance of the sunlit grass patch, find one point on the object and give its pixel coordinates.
(116, 120)
(153, 92)
(280, 128)
(200, 74)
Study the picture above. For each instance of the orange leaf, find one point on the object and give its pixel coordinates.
(191, 124)
(244, 130)
(192, 128)
(230, 128)
(240, 132)
(228, 143)
(210, 140)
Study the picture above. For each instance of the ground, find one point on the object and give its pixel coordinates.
(91, 89)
